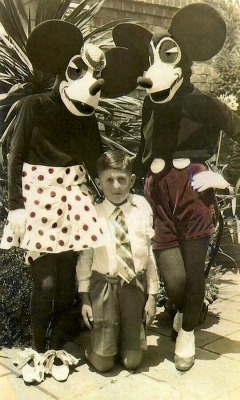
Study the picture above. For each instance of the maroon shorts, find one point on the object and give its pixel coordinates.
(180, 212)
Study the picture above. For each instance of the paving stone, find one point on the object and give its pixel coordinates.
(228, 346)
(14, 388)
(226, 310)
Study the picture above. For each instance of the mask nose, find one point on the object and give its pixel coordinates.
(96, 87)
(145, 83)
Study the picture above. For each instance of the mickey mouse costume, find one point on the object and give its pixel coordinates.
(55, 145)
(180, 130)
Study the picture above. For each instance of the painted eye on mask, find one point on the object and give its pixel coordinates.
(76, 68)
(169, 52)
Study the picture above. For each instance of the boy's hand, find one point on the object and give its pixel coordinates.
(87, 310)
(150, 309)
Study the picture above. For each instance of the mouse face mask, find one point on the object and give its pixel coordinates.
(197, 32)
(57, 46)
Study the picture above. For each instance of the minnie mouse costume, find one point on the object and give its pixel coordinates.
(55, 145)
(180, 131)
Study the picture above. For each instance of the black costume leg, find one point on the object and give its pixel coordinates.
(182, 271)
(63, 299)
(194, 254)
(44, 283)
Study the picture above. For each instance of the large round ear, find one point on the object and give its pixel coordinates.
(123, 67)
(134, 37)
(199, 30)
(52, 44)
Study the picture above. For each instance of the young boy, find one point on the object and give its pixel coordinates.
(119, 282)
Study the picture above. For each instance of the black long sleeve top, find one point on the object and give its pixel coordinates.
(187, 127)
(46, 133)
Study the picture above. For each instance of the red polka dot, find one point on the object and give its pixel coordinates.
(68, 217)
(9, 239)
(69, 188)
(30, 260)
(52, 237)
(70, 246)
(44, 220)
(52, 194)
(69, 207)
(24, 199)
(76, 178)
(94, 238)
(54, 225)
(78, 198)
(27, 187)
(81, 168)
(40, 232)
(49, 249)
(64, 230)
(36, 202)
(32, 214)
(59, 211)
(34, 168)
(61, 243)
(50, 170)
(68, 171)
(48, 206)
(40, 177)
(24, 174)
(85, 246)
(85, 227)
(77, 217)
(40, 190)
(38, 246)
(94, 219)
(29, 228)
(60, 180)
(64, 198)
(86, 208)
(77, 237)
(100, 230)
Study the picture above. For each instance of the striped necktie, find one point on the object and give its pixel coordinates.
(123, 247)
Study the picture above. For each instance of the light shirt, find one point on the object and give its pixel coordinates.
(138, 218)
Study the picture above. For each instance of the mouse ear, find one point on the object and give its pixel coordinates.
(134, 37)
(52, 44)
(199, 30)
(123, 67)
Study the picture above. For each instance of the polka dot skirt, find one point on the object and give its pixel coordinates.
(60, 213)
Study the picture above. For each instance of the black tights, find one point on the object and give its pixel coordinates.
(182, 271)
(53, 293)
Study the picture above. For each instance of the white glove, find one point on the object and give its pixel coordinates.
(208, 179)
(17, 220)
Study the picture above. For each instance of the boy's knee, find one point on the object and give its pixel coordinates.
(131, 359)
(101, 364)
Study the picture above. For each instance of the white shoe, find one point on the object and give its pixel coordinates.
(184, 350)
(31, 366)
(60, 370)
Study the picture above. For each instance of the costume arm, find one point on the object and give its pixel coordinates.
(18, 153)
(94, 147)
(84, 270)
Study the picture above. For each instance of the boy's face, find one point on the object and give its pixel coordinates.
(115, 185)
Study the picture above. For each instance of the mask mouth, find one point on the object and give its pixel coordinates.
(160, 96)
(83, 107)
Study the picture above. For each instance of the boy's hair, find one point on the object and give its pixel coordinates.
(114, 159)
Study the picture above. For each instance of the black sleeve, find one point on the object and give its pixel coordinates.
(18, 152)
(94, 148)
(230, 124)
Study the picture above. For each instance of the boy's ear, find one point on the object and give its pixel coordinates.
(98, 183)
(133, 179)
